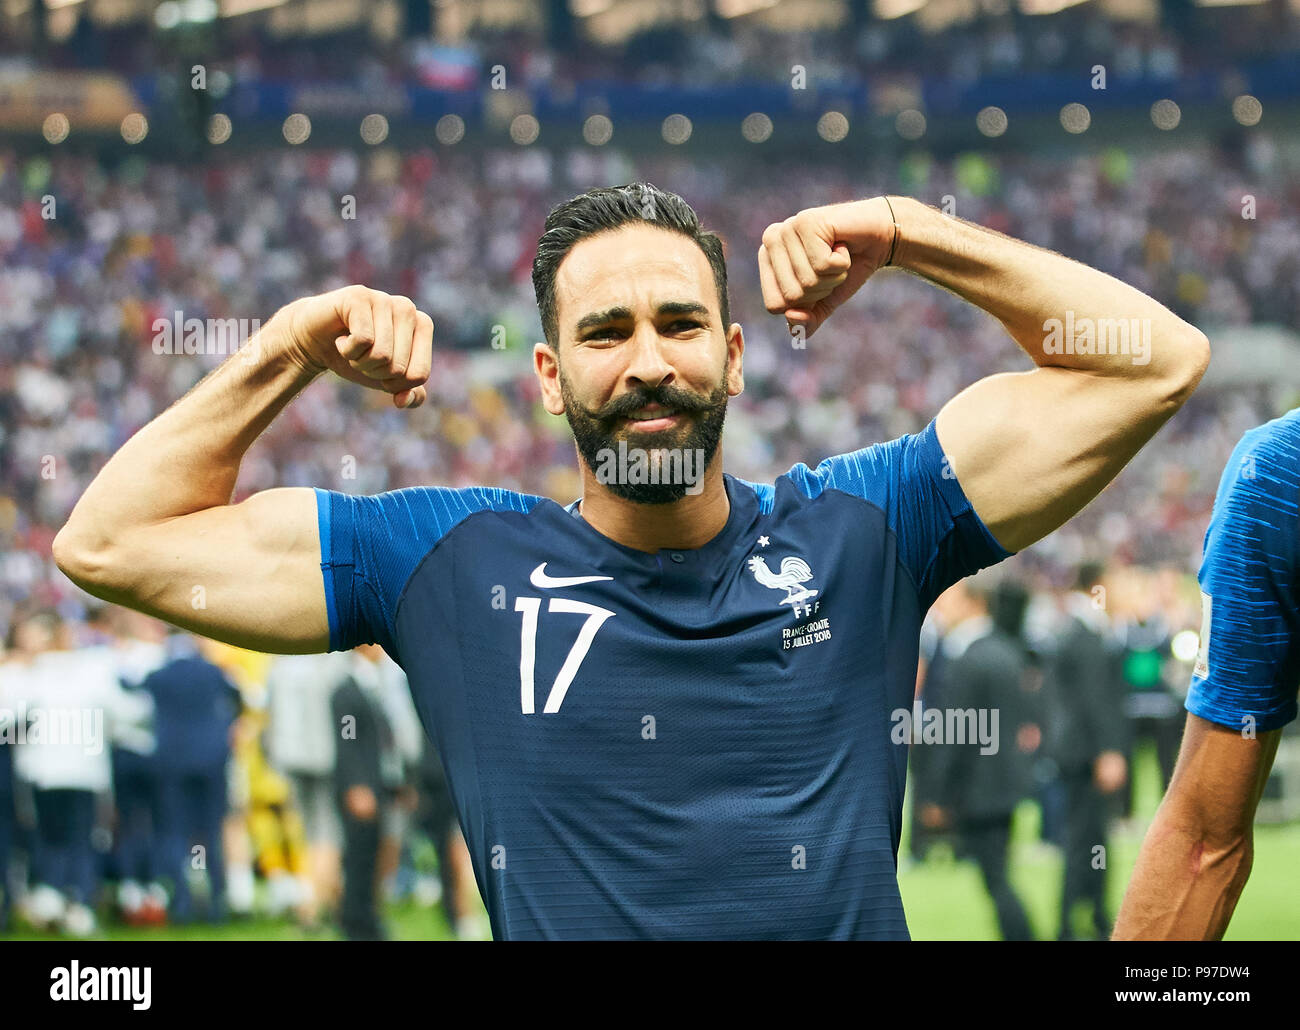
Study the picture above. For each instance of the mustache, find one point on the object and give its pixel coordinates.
(665, 396)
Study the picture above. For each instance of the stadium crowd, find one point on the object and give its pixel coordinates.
(710, 51)
(127, 245)
(133, 247)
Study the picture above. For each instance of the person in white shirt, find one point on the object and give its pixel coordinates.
(300, 743)
(69, 707)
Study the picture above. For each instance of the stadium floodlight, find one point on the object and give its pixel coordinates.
(676, 129)
(219, 129)
(910, 124)
(135, 127)
(56, 128)
(1247, 110)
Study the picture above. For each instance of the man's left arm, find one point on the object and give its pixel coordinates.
(1030, 449)
(1197, 854)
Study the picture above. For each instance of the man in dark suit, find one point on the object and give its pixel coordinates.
(364, 781)
(981, 771)
(1088, 741)
(194, 708)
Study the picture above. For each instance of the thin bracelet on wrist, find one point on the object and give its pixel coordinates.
(889, 260)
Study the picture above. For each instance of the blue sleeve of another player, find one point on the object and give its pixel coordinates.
(370, 546)
(940, 538)
(1247, 665)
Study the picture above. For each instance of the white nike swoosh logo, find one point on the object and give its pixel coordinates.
(539, 578)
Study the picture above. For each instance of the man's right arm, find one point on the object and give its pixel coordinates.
(155, 530)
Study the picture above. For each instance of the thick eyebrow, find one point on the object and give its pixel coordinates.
(622, 314)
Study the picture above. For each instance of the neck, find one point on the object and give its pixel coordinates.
(687, 523)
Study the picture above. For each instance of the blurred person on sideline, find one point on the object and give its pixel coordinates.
(195, 709)
(1088, 741)
(1153, 708)
(403, 771)
(137, 648)
(982, 775)
(367, 771)
(75, 707)
(927, 802)
(300, 743)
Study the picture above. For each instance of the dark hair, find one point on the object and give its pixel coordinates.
(1007, 606)
(608, 208)
(1089, 575)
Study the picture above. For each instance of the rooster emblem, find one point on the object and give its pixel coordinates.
(794, 572)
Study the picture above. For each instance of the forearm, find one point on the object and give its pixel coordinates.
(187, 459)
(1183, 887)
(1062, 313)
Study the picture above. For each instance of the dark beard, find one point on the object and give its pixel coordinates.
(601, 431)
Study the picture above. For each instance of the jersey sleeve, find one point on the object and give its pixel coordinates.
(940, 538)
(371, 545)
(1247, 666)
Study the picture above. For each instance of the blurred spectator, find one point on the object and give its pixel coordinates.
(927, 826)
(1154, 710)
(195, 707)
(75, 707)
(981, 778)
(300, 743)
(137, 648)
(403, 771)
(367, 773)
(1087, 739)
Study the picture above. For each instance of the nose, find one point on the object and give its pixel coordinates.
(646, 364)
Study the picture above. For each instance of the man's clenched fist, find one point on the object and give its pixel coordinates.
(365, 336)
(814, 261)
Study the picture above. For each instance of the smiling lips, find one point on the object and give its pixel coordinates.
(653, 418)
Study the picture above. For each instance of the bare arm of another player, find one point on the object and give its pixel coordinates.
(1198, 852)
(155, 530)
(1029, 449)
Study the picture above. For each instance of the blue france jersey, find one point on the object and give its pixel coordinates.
(689, 743)
(1249, 661)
